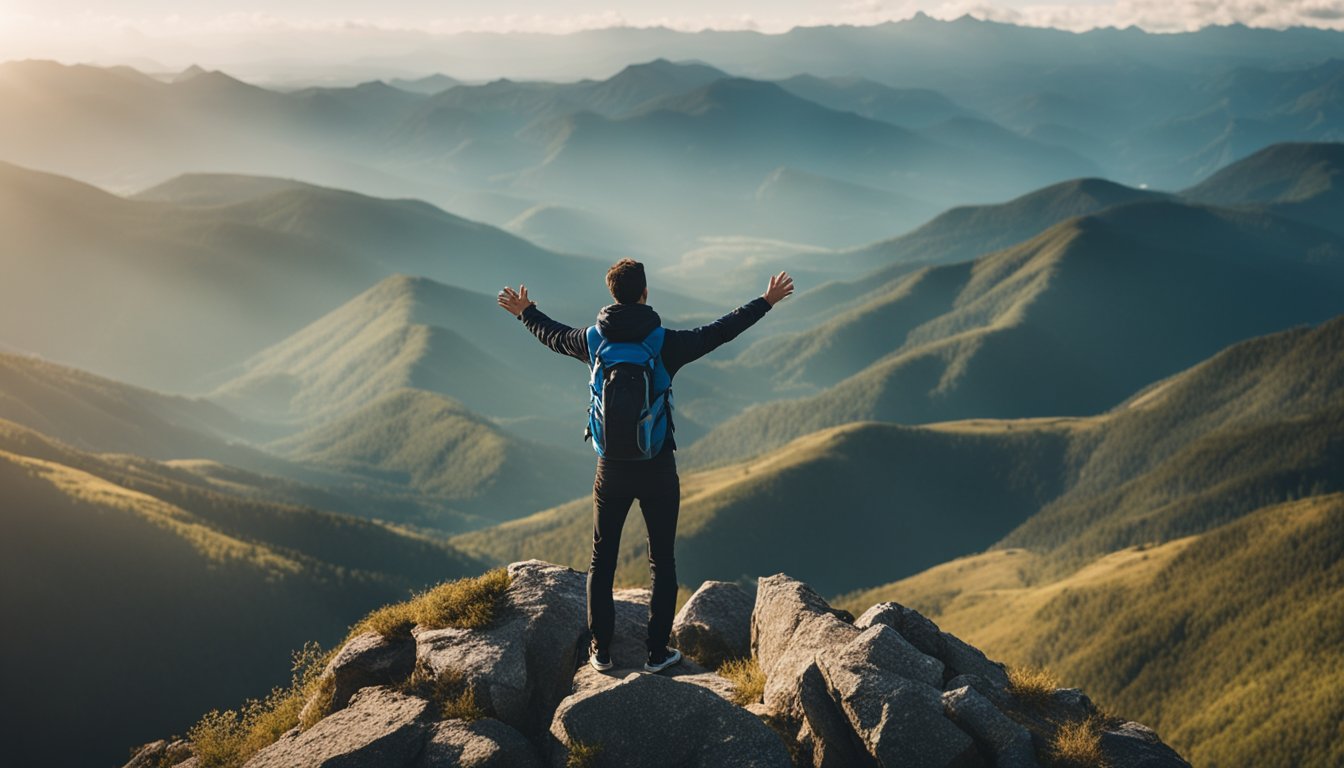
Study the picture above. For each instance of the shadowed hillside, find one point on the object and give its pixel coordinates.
(93, 413)
(965, 232)
(1258, 423)
(1299, 181)
(1068, 323)
(428, 447)
(877, 495)
(169, 575)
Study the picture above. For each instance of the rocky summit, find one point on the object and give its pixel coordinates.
(779, 680)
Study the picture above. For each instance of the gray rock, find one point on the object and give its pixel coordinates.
(1134, 745)
(522, 665)
(995, 732)
(790, 625)
(483, 743)
(367, 659)
(380, 727)
(652, 721)
(899, 721)
(492, 662)
(997, 695)
(160, 753)
(588, 679)
(883, 647)
(715, 624)
(958, 658)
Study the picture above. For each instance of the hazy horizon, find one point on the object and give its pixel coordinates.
(266, 43)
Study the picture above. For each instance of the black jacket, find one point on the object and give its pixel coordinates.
(633, 322)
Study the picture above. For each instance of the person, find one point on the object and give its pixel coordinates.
(654, 482)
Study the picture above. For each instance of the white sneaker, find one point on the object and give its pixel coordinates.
(660, 660)
(599, 660)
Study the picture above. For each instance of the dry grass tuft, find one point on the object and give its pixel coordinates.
(1032, 685)
(582, 755)
(1077, 745)
(468, 603)
(228, 739)
(450, 692)
(747, 678)
(322, 697)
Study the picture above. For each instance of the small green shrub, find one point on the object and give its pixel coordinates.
(747, 678)
(583, 755)
(469, 603)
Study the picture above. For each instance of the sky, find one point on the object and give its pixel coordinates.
(174, 31)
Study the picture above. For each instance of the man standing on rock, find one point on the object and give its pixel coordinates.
(632, 360)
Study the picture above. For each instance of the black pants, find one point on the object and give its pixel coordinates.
(656, 485)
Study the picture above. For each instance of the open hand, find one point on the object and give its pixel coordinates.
(515, 301)
(780, 288)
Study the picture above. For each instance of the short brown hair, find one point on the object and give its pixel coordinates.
(626, 281)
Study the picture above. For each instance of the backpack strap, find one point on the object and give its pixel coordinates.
(653, 343)
(595, 342)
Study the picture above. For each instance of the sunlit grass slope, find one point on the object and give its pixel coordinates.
(128, 581)
(1227, 641)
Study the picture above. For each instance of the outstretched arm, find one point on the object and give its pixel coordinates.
(559, 337)
(682, 347)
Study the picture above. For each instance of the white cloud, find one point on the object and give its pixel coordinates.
(1152, 15)
(178, 38)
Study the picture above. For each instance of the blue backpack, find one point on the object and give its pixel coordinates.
(630, 407)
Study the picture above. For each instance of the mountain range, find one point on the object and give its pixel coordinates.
(1063, 371)
(237, 264)
(1034, 329)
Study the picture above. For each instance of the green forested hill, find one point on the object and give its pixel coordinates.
(404, 332)
(429, 448)
(1300, 181)
(1067, 323)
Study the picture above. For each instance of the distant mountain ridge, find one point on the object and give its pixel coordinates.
(243, 263)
